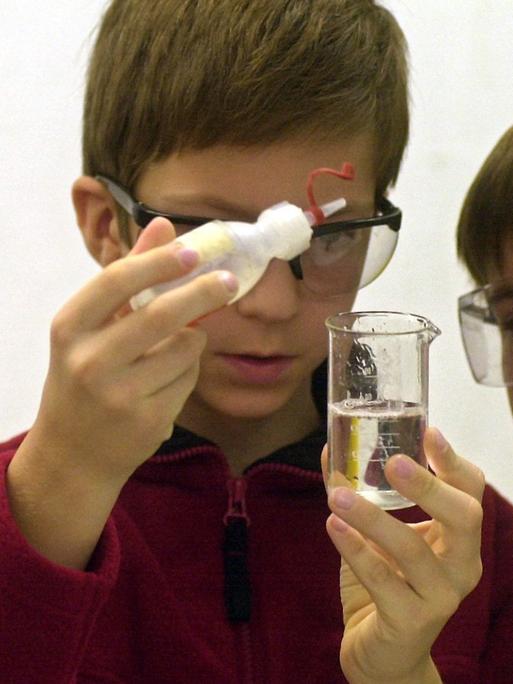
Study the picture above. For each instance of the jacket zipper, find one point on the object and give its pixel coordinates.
(237, 587)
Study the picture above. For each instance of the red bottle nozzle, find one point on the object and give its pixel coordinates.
(346, 173)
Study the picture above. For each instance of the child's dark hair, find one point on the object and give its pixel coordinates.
(486, 218)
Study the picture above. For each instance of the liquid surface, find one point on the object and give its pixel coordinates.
(363, 437)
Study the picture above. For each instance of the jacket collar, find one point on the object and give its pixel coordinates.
(304, 454)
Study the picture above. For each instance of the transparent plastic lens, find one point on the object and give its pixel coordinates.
(381, 247)
(347, 261)
(486, 324)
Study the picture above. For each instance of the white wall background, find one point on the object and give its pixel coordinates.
(462, 70)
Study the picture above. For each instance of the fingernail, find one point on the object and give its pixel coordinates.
(344, 497)
(339, 524)
(188, 257)
(404, 467)
(229, 281)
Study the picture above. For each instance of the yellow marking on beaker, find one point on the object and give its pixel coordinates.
(352, 464)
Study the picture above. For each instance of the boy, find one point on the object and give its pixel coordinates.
(484, 240)
(485, 246)
(163, 520)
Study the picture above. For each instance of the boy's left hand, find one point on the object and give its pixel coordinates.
(400, 583)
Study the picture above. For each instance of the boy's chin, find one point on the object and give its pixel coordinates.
(257, 404)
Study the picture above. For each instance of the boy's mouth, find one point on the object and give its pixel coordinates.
(258, 369)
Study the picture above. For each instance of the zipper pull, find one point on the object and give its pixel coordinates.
(236, 501)
(237, 587)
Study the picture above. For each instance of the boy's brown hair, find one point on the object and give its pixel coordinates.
(486, 218)
(169, 75)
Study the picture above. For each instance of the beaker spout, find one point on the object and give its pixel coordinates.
(433, 332)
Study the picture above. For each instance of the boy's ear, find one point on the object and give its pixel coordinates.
(96, 214)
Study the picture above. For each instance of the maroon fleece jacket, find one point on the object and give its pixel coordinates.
(204, 578)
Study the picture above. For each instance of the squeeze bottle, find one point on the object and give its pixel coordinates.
(245, 249)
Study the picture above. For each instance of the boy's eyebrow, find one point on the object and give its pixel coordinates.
(213, 201)
(232, 208)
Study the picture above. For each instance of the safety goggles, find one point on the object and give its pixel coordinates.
(486, 324)
(343, 256)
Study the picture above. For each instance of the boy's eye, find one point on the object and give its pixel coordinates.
(326, 249)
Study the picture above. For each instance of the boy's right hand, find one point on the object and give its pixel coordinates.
(117, 378)
(117, 383)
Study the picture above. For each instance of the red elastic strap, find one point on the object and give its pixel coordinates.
(346, 173)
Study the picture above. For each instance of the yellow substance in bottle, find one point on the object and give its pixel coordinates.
(208, 242)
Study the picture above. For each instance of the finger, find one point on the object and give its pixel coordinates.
(102, 296)
(442, 501)
(157, 414)
(133, 336)
(409, 551)
(324, 465)
(353, 594)
(458, 513)
(172, 358)
(158, 232)
(171, 399)
(385, 587)
(450, 467)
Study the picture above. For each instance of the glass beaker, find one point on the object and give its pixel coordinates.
(377, 398)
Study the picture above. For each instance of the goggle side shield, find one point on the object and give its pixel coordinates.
(487, 337)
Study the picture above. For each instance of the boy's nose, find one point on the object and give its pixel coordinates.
(274, 297)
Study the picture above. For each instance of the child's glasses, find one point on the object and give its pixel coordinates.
(486, 324)
(343, 256)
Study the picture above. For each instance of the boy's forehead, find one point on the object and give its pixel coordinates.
(247, 179)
